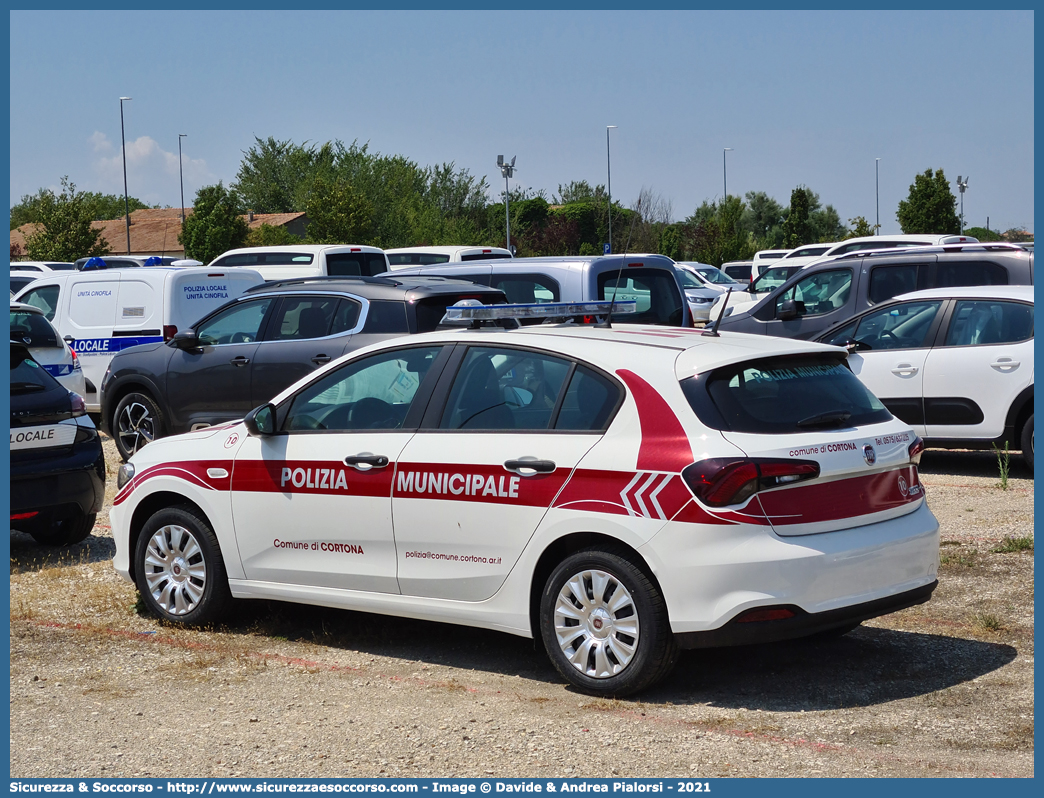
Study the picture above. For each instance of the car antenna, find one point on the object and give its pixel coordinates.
(608, 323)
(713, 331)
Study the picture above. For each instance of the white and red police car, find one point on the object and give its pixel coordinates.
(621, 493)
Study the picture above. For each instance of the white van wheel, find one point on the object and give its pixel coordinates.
(138, 421)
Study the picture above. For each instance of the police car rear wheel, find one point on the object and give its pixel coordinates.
(605, 625)
(138, 421)
(179, 568)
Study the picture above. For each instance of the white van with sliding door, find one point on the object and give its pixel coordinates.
(402, 257)
(306, 260)
(99, 313)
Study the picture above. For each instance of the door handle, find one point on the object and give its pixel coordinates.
(905, 370)
(528, 466)
(366, 461)
(320, 360)
(239, 361)
(1005, 364)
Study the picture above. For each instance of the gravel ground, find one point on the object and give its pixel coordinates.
(943, 689)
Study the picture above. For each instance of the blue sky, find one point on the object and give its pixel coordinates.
(804, 98)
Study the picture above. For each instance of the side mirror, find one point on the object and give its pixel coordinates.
(261, 420)
(852, 345)
(790, 309)
(186, 339)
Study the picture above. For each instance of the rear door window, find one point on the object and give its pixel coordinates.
(989, 321)
(783, 395)
(889, 281)
(300, 318)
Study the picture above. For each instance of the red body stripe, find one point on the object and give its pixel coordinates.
(665, 446)
(845, 498)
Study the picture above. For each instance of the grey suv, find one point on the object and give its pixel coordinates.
(250, 349)
(828, 292)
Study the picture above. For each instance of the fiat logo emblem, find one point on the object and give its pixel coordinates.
(597, 623)
(869, 454)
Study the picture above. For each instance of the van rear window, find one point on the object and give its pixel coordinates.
(356, 264)
(265, 259)
(654, 290)
(792, 393)
(416, 258)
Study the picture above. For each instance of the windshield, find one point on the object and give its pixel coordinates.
(773, 279)
(715, 275)
(688, 280)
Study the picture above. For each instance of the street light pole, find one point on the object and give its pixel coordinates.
(725, 173)
(877, 184)
(507, 170)
(609, 184)
(181, 175)
(962, 185)
(126, 203)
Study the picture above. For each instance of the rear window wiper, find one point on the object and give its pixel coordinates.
(829, 418)
(27, 387)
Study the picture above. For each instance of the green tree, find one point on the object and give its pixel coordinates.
(797, 229)
(338, 214)
(763, 218)
(267, 235)
(930, 206)
(860, 228)
(65, 230)
(215, 225)
(102, 206)
(272, 174)
(983, 234)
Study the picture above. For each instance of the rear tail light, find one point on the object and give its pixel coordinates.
(79, 407)
(169, 331)
(23, 516)
(722, 481)
(916, 449)
(76, 360)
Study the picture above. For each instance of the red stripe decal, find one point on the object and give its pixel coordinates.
(843, 498)
(193, 471)
(665, 446)
(310, 476)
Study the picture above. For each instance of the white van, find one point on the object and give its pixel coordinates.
(402, 257)
(99, 313)
(306, 260)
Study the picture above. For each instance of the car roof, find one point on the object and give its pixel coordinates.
(445, 250)
(1023, 292)
(312, 248)
(393, 287)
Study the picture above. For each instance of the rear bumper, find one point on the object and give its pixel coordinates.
(75, 477)
(802, 624)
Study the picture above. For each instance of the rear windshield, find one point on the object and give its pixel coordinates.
(27, 376)
(416, 258)
(654, 290)
(32, 329)
(486, 256)
(715, 275)
(793, 393)
(428, 312)
(356, 264)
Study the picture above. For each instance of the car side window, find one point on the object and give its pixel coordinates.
(979, 322)
(902, 326)
(589, 402)
(527, 289)
(819, 293)
(889, 281)
(372, 393)
(957, 273)
(504, 389)
(302, 317)
(236, 325)
(45, 297)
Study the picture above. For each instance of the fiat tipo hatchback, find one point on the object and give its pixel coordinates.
(618, 493)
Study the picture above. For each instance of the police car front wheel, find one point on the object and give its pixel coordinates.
(179, 569)
(605, 624)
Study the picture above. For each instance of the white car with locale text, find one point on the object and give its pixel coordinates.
(620, 493)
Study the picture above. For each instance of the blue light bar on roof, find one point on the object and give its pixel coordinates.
(476, 312)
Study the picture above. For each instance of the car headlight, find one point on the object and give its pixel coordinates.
(125, 474)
